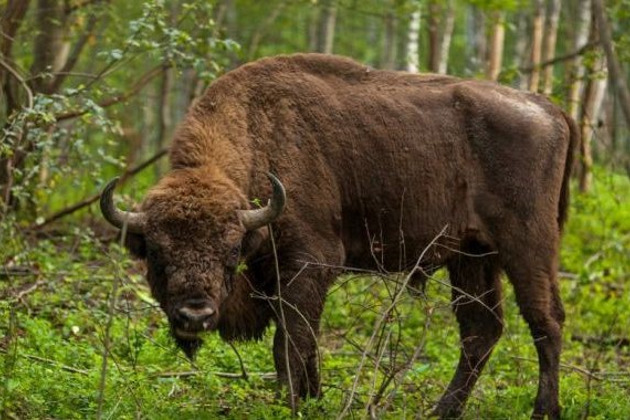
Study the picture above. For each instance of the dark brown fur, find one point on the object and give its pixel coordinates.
(364, 155)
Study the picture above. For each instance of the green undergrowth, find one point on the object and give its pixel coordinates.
(57, 320)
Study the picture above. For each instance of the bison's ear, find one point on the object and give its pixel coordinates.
(136, 245)
(253, 240)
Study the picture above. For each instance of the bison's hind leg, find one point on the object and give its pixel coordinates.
(476, 301)
(531, 267)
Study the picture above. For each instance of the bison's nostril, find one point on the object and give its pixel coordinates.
(195, 313)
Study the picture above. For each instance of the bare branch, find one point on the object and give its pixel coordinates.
(50, 362)
(16, 75)
(560, 58)
(135, 89)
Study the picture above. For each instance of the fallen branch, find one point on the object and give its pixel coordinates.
(84, 203)
(51, 362)
(8, 272)
(578, 369)
(229, 375)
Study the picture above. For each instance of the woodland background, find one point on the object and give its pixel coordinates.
(91, 89)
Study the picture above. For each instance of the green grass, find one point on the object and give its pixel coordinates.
(55, 319)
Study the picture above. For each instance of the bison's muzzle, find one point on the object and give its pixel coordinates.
(194, 316)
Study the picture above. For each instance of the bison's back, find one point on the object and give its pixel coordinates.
(379, 152)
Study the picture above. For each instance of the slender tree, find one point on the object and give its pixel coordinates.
(592, 103)
(497, 38)
(389, 43)
(549, 45)
(617, 76)
(536, 51)
(413, 53)
(326, 28)
(446, 36)
(582, 30)
(476, 35)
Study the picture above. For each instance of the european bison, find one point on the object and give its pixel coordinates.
(362, 153)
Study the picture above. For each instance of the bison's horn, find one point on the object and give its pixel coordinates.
(254, 219)
(134, 221)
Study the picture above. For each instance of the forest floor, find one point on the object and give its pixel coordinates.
(68, 299)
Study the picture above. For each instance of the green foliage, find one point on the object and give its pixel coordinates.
(54, 314)
(44, 140)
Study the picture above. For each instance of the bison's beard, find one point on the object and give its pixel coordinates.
(189, 346)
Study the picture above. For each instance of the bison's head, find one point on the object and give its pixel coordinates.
(190, 230)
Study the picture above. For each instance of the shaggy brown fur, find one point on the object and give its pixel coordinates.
(370, 159)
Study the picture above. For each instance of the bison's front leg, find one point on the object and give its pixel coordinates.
(298, 310)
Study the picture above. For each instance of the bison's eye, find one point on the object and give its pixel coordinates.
(235, 253)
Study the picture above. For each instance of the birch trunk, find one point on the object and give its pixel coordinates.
(413, 54)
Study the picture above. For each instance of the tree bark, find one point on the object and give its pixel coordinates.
(549, 50)
(389, 44)
(537, 35)
(616, 73)
(476, 35)
(520, 47)
(51, 47)
(12, 18)
(447, 35)
(433, 27)
(496, 46)
(413, 53)
(326, 31)
(592, 102)
(582, 29)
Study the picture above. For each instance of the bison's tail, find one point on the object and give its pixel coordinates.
(574, 140)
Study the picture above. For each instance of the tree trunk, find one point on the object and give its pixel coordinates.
(327, 22)
(311, 28)
(549, 50)
(413, 55)
(520, 46)
(582, 29)
(447, 35)
(537, 35)
(476, 35)
(496, 45)
(433, 27)
(389, 44)
(51, 47)
(592, 102)
(12, 18)
(617, 77)
(593, 99)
